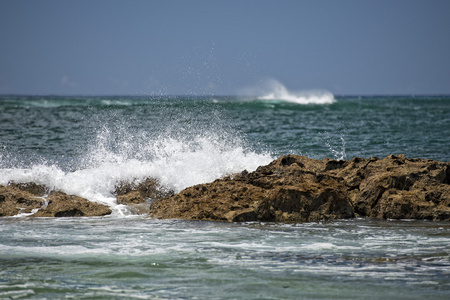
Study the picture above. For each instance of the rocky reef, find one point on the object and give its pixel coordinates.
(138, 195)
(298, 189)
(292, 188)
(37, 201)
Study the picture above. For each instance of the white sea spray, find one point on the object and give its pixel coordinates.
(116, 155)
(273, 90)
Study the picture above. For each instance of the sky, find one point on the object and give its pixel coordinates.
(224, 47)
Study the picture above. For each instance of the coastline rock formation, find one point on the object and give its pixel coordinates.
(139, 195)
(36, 201)
(135, 193)
(292, 188)
(298, 189)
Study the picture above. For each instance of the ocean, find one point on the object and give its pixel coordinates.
(86, 145)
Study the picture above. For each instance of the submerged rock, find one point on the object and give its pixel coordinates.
(298, 189)
(35, 200)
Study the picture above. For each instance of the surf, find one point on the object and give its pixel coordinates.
(176, 162)
(274, 91)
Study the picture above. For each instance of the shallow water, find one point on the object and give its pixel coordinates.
(136, 257)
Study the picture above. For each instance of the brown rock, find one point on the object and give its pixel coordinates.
(60, 204)
(31, 187)
(14, 201)
(16, 198)
(298, 189)
(138, 196)
(132, 197)
(287, 190)
(399, 188)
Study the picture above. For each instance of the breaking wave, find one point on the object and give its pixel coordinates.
(273, 90)
(176, 162)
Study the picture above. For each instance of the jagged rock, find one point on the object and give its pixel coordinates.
(60, 204)
(14, 201)
(298, 189)
(31, 187)
(399, 188)
(290, 189)
(19, 198)
(139, 195)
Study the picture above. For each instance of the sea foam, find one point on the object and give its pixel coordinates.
(273, 90)
(177, 162)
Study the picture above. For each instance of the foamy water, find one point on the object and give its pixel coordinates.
(177, 164)
(275, 91)
(137, 257)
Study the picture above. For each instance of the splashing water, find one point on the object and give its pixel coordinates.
(274, 90)
(338, 154)
(177, 160)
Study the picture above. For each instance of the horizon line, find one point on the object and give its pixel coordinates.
(212, 95)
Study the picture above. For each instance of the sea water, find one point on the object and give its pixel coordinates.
(140, 258)
(86, 145)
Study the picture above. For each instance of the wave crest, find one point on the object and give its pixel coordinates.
(273, 90)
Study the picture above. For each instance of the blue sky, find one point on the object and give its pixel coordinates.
(224, 47)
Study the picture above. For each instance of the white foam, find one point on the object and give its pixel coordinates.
(52, 251)
(177, 163)
(275, 91)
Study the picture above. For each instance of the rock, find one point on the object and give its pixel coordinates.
(31, 187)
(14, 201)
(139, 195)
(60, 204)
(399, 188)
(295, 188)
(292, 188)
(30, 199)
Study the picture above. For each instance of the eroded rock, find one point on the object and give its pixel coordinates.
(298, 189)
(32, 199)
(292, 188)
(14, 201)
(139, 195)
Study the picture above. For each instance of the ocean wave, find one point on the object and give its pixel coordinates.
(176, 163)
(52, 102)
(273, 90)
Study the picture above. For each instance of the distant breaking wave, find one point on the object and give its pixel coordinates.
(273, 90)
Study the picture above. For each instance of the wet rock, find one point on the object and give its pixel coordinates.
(14, 201)
(60, 204)
(295, 188)
(31, 187)
(139, 195)
(26, 198)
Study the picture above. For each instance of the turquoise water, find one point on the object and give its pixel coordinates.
(85, 145)
(49, 127)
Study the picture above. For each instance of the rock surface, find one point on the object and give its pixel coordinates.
(292, 188)
(139, 195)
(298, 189)
(138, 192)
(33, 199)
